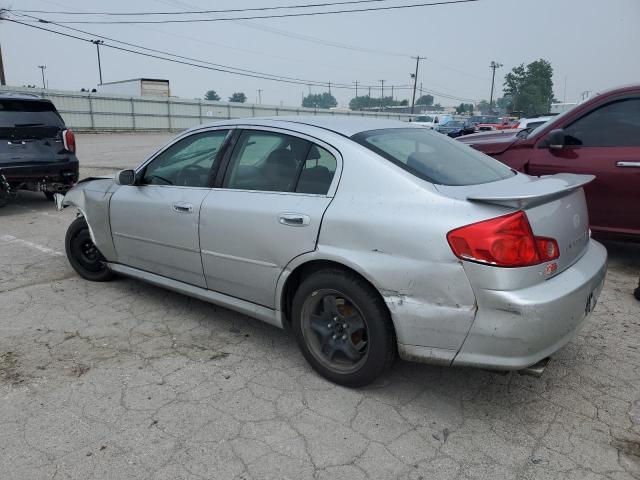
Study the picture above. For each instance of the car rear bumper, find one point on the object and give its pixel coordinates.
(516, 329)
(65, 172)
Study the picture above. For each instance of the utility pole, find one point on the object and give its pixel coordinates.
(329, 88)
(356, 82)
(2, 80)
(382, 95)
(97, 43)
(415, 82)
(564, 96)
(493, 66)
(369, 91)
(392, 93)
(42, 67)
(259, 97)
(3, 11)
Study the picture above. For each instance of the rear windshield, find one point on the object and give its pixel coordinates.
(433, 157)
(28, 113)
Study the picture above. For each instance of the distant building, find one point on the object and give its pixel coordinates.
(561, 107)
(138, 87)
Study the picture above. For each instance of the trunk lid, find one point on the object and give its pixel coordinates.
(492, 143)
(555, 206)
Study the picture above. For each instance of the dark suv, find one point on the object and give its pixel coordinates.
(37, 151)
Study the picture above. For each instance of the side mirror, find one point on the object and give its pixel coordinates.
(126, 177)
(555, 139)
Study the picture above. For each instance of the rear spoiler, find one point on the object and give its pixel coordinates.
(539, 190)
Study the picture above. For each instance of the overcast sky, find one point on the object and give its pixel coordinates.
(593, 44)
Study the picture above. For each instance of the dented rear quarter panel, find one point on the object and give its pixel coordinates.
(391, 227)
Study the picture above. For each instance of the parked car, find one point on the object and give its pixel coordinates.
(531, 123)
(478, 119)
(37, 151)
(365, 237)
(507, 123)
(488, 123)
(432, 121)
(456, 128)
(600, 137)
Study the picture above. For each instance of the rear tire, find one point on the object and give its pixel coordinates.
(636, 292)
(83, 255)
(343, 327)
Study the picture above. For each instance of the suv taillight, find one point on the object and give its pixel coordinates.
(69, 141)
(505, 241)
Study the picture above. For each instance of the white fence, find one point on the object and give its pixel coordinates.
(84, 111)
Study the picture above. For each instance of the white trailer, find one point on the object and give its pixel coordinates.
(138, 87)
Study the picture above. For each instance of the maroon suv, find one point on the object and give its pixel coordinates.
(600, 137)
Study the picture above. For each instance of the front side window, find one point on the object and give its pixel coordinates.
(188, 162)
(433, 157)
(616, 124)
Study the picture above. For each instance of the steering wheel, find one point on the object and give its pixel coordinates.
(190, 176)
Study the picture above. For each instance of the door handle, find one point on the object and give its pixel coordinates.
(182, 207)
(294, 219)
(628, 164)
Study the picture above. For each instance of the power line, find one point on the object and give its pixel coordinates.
(174, 60)
(284, 15)
(194, 12)
(171, 54)
(213, 66)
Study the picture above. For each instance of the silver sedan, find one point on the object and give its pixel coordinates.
(367, 238)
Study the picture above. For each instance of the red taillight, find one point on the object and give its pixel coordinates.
(505, 241)
(516, 125)
(69, 141)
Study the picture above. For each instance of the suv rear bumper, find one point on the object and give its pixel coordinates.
(65, 172)
(516, 329)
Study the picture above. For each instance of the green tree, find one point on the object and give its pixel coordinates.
(425, 100)
(483, 106)
(504, 104)
(464, 108)
(319, 100)
(530, 88)
(211, 95)
(238, 97)
(366, 102)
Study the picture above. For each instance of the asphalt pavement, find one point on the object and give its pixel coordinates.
(126, 380)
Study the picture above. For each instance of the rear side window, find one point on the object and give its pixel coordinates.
(266, 161)
(616, 124)
(433, 157)
(317, 172)
(28, 113)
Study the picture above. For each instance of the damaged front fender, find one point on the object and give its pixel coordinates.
(92, 197)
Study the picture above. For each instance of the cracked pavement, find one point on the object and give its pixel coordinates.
(126, 380)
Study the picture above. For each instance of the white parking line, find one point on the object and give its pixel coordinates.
(27, 243)
(39, 212)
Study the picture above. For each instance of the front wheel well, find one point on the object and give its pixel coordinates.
(297, 276)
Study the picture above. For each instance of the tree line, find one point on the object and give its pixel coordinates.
(527, 90)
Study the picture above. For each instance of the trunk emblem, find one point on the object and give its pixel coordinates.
(576, 220)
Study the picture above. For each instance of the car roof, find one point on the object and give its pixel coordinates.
(22, 96)
(342, 125)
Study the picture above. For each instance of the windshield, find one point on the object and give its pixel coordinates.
(453, 123)
(433, 157)
(28, 113)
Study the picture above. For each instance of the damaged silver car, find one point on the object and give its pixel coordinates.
(367, 238)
